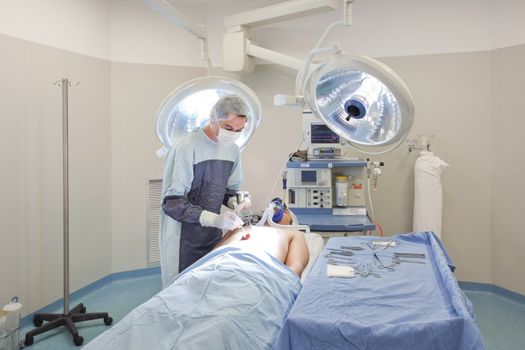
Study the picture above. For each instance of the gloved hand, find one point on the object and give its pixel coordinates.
(225, 221)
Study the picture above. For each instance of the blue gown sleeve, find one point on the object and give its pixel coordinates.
(175, 203)
(234, 181)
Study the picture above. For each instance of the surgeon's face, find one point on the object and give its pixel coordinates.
(234, 123)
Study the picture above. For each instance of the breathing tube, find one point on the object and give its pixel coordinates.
(270, 216)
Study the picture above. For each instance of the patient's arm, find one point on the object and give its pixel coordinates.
(298, 255)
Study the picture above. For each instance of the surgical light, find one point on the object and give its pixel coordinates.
(360, 99)
(188, 108)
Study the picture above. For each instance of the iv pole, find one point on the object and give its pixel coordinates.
(78, 313)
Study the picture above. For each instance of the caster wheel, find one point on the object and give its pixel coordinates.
(83, 310)
(108, 320)
(29, 340)
(37, 321)
(78, 340)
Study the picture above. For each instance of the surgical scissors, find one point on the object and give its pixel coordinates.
(389, 268)
(365, 271)
(366, 274)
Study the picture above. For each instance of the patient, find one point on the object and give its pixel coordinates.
(289, 247)
(235, 297)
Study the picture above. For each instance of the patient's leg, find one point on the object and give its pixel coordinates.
(298, 256)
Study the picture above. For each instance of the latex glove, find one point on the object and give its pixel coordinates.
(225, 221)
(245, 204)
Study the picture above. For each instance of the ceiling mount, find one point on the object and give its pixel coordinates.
(359, 98)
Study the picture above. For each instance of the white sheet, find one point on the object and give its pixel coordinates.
(315, 245)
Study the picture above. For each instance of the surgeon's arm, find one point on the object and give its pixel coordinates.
(175, 203)
(234, 181)
(298, 255)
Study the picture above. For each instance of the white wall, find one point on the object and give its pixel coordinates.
(129, 31)
(507, 27)
(80, 26)
(385, 29)
(31, 153)
(508, 168)
(136, 92)
(381, 28)
(140, 35)
(452, 96)
(31, 171)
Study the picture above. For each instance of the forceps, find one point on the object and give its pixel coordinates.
(340, 252)
(331, 256)
(342, 263)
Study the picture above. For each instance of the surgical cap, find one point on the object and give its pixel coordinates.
(227, 105)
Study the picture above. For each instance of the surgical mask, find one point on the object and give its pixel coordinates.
(227, 137)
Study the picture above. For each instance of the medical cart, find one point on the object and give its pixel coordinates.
(329, 196)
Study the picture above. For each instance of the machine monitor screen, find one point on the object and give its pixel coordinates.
(320, 133)
(308, 176)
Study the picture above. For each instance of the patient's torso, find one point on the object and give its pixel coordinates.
(271, 240)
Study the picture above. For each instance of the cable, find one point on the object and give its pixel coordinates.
(327, 31)
(380, 229)
(279, 174)
(370, 199)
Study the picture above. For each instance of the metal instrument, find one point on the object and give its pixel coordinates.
(331, 256)
(364, 270)
(398, 260)
(332, 261)
(409, 255)
(351, 248)
(340, 252)
(389, 268)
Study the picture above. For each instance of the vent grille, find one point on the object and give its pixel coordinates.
(153, 202)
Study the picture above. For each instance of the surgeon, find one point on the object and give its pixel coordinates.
(201, 172)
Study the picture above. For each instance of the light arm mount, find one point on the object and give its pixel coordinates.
(167, 10)
(239, 51)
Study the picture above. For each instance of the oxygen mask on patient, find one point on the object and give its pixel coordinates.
(279, 216)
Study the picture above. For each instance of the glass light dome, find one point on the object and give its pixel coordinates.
(188, 108)
(362, 100)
